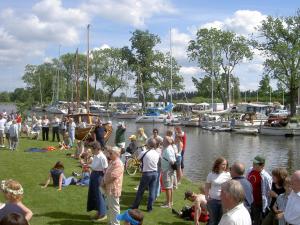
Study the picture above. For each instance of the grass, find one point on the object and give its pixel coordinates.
(68, 207)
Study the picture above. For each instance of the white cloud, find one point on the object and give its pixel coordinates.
(133, 12)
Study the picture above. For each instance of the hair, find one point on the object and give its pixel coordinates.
(155, 130)
(59, 165)
(13, 190)
(137, 215)
(141, 130)
(287, 181)
(280, 174)
(234, 189)
(238, 168)
(95, 145)
(14, 219)
(152, 143)
(217, 164)
(169, 133)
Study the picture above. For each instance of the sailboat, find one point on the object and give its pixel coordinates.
(83, 117)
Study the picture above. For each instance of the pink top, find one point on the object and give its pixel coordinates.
(113, 178)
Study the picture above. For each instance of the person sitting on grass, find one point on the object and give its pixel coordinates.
(58, 177)
(131, 217)
(85, 176)
(13, 193)
(14, 219)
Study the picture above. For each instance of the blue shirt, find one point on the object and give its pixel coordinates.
(247, 189)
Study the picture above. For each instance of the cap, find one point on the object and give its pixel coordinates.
(132, 137)
(259, 159)
(188, 194)
(126, 217)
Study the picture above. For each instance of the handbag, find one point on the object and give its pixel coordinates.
(173, 166)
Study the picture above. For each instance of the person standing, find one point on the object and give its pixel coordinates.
(149, 159)
(6, 130)
(215, 179)
(261, 182)
(13, 135)
(99, 133)
(95, 197)
(55, 128)
(19, 121)
(179, 132)
(120, 136)
(232, 197)
(237, 171)
(292, 210)
(45, 128)
(71, 131)
(112, 184)
(157, 138)
(141, 138)
(2, 128)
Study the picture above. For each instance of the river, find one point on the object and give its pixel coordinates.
(203, 147)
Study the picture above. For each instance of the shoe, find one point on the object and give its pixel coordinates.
(176, 212)
(75, 174)
(167, 206)
(136, 188)
(100, 219)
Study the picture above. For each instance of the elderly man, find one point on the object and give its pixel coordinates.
(149, 159)
(232, 198)
(261, 182)
(112, 183)
(237, 173)
(292, 210)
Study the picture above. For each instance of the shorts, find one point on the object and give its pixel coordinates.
(178, 161)
(1, 133)
(121, 145)
(167, 179)
(7, 135)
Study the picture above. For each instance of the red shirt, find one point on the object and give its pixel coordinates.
(255, 180)
(183, 141)
(19, 119)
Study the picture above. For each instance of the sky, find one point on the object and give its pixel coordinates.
(31, 31)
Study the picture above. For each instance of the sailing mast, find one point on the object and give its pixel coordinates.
(171, 64)
(87, 68)
(77, 80)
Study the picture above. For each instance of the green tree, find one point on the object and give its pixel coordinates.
(141, 59)
(218, 53)
(4, 96)
(264, 86)
(280, 43)
(162, 75)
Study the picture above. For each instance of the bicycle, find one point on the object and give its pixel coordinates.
(132, 163)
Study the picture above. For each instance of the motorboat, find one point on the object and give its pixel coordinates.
(57, 108)
(291, 128)
(154, 115)
(190, 121)
(214, 121)
(126, 114)
(246, 130)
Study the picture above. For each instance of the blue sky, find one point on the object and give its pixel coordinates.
(31, 31)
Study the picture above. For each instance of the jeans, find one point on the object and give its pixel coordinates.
(256, 214)
(71, 138)
(157, 185)
(68, 181)
(55, 132)
(148, 180)
(215, 211)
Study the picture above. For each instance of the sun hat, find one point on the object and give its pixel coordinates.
(259, 159)
(126, 217)
(132, 137)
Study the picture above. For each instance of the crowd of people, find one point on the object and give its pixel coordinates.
(231, 194)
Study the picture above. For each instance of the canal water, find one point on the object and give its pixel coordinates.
(203, 147)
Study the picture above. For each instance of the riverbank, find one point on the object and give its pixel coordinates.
(69, 206)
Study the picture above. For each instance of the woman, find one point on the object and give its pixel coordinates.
(71, 130)
(58, 177)
(95, 197)
(45, 128)
(141, 138)
(215, 179)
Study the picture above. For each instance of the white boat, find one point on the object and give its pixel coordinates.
(246, 131)
(190, 122)
(57, 108)
(214, 121)
(126, 115)
(250, 120)
(291, 129)
(155, 119)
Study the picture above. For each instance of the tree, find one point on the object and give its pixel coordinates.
(141, 59)
(217, 53)
(162, 75)
(264, 86)
(280, 43)
(4, 96)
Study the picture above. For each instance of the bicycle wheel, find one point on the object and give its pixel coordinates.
(131, 166)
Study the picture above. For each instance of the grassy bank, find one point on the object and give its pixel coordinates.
(68, 207)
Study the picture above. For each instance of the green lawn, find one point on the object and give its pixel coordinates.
(68, 207)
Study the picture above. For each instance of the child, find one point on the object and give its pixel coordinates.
(280, 204)
(13, 192)
(14, 219)
(13, 135)
(85, 176)
(131, 217)
(58, 177)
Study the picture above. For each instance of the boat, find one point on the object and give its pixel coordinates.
(154, 115)
(57, 108)
(282, 127)
(190, 121)
(250, 119)
(126, 114)
(214, 121)
(246, 130)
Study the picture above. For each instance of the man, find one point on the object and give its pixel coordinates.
(237, 173)
(232, 197)
(157, 138)
(198, 201)
(55, 128)
(261, 182)
(292, 210)
(180, 133)
(2, 133)
(120, 136)
(112, 183)
(99, 133)
(149, 159)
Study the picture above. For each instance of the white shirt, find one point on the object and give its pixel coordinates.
(292, 210)
(2, 124)
(150, 160)
(99, 162)
(239, 215)
(216, 180)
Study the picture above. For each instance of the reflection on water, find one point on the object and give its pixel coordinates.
(204, 146)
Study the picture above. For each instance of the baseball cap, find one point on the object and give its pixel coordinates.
(188, 194)
(126, 217)
(259, 159)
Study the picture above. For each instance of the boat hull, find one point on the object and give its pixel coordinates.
(83, 133)
(279, 131)
(154, 119)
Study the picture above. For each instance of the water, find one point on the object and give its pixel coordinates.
(203, 147)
